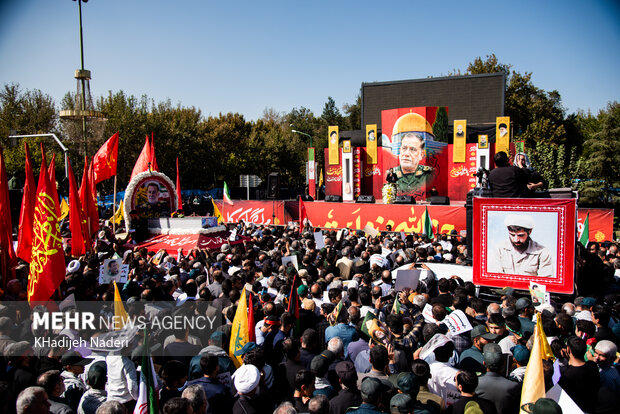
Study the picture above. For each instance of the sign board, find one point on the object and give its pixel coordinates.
(457, 323)
(249, 181)
(113, 269)
(407, 278)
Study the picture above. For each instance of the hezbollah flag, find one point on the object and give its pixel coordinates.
(118, 216)
(47, 268)
(120, 314)
(585, 233)
(64, 209)
(427, 224)
(239, 332)
(226, 195)
(534, 379)
(105, 160)
(217, 213)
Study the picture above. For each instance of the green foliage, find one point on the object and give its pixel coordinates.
(24, 113)
(354, 113)
(440, 126)
(598, 172)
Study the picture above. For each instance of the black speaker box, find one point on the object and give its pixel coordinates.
(369, 199)
(273, 185)
(439, 200)
(404, 199)
(333, 198)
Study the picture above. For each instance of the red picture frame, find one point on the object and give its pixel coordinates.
(552, 240)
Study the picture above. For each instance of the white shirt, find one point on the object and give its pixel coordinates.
(442, 382)
(122, 379)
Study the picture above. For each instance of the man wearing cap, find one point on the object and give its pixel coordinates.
(349, 395)
(526, 310)
(493, 386)
(371, 392)
(472, 359)
(73, 365)
(519, 254)
(542, 406)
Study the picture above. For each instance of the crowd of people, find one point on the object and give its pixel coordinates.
(332, 335)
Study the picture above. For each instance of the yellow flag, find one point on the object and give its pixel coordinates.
(118, 216)
(64, 209)
(239, 332)
(534, 379)
(217, 213)
(120, 314)
(502, 134)
(321, 178)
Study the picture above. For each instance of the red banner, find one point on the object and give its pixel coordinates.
(601, 223)
(401, 217)
(407, 218)
(171, 243)
(258, 212)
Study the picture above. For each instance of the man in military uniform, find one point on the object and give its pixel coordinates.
(153, 208)
(411, 175)
(519, 254)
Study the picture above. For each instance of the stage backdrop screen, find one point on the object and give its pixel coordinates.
(476, 98)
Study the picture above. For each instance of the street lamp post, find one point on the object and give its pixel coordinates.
(310, 167)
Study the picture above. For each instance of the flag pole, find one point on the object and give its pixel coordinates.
(113, 210)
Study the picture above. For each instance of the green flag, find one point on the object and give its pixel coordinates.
(585, 233)
(227, 199)
(396, 307)
(148, 396)
(428, 224)
(369, 317)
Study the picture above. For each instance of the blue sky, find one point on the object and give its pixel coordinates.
(238, 56)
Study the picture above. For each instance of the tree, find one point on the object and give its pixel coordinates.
(440, 126)
(353, 113)
(331, 114)
(23, 113)
(598, 171)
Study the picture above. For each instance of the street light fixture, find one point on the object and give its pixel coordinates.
(58, 141)
(303, 133)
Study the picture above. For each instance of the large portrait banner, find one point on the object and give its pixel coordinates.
(520, 241)
(150, 195)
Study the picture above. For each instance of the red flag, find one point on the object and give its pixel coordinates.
(251, 324)
(9, 259)
(76, 219)
(303, 215)
(26, 217)
(89, 208)
(179, 199)
(142, 163)
(105, 160)
(47, 268)
(153, 160)
(51, 170)
(93, 212)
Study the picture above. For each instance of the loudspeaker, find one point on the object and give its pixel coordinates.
(404, 199)
(439, 201)
(333, 199)
(366, 199)
(273, 185)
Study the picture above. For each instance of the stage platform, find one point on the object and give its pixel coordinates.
(402, 217)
